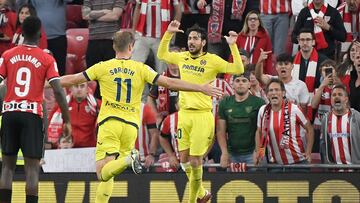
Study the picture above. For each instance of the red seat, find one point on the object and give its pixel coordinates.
(77, 41)
(74, 17)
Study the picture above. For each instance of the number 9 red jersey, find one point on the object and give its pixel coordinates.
(26, 68)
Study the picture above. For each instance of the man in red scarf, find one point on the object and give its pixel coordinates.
(280, 130)
(307, 62)
(326, 23)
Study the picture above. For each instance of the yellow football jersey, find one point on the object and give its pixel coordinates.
(199, 70)
(121, 86)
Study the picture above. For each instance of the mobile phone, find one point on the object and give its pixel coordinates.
(328, 71)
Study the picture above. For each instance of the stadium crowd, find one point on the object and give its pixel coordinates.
(297, 102)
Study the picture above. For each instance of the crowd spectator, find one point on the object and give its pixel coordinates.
(283, 129)
(226, 15)
(193, 12)
(254, 37)
(83, 108)
(236, 126)
(307, 61)
(168, 140)
(103, 17)
(162, 100)
(275, 18)
(321, 99)
(296, 90)
(355, 84)
(349, 11)
(326, 23)
(148, 136)
(7, 25)
(340, 143)
(346, 70)
(255, 87)
(52, 14)
(25, 11)
(151, 19)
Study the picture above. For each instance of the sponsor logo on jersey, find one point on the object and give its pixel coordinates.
(194, 68)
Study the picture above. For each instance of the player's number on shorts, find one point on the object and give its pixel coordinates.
(23, 77)
(128, 89)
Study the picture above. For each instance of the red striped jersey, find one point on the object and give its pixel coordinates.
(226, 89)
(169, 128)
(272, 7)
(26, 68)
(296, 151)
(148, 121)
(339, 133)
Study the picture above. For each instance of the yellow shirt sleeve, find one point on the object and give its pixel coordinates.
(236, 67)
(93, 72)
(149, 74)
(163, 51)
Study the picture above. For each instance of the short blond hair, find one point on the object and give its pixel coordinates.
(122, 39)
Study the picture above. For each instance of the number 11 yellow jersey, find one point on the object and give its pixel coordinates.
(121, 86)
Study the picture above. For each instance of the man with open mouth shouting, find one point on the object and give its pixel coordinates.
(279, 129)
(340, 141)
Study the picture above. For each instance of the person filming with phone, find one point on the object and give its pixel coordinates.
(321, 98)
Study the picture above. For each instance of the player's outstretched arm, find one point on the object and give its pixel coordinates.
(73, 79)
(61, 100)
(177, 84)
(163, 51)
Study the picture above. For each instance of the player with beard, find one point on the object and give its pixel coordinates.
(279, 125)
(236, 127)
(340, 129)
(196, 122)
(296, 90)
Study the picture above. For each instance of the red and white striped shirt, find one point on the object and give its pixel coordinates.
(226, 89)
(296, 151)
(272, 7)
(142, 143)
(169, 128)
(339, 133)
(155, 16)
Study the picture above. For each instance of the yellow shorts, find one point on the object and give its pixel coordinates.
(195, 131)
(115, 137)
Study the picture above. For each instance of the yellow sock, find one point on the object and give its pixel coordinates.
(104, 190)
(187, 169)
(115, 167)
(195, 182)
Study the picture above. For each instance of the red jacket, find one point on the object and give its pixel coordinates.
(83, 123)
(262, 40)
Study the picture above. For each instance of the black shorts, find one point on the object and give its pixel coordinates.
(22, 130)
